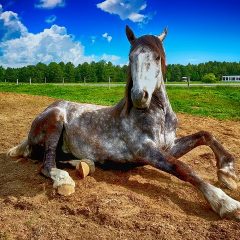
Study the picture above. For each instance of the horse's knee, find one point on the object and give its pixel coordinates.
(207, 136)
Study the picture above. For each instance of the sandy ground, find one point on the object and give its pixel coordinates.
(142, 203)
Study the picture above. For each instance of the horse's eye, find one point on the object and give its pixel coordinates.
(158, 58)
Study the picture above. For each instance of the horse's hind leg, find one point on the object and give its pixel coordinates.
(225, 161)
(46, 131)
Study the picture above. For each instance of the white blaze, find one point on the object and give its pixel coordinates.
(146, 70)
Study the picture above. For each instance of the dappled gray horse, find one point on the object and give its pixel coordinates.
(140, 129)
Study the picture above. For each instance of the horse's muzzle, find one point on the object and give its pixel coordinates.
(139, 98)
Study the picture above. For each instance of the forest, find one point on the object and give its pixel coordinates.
(102, 70)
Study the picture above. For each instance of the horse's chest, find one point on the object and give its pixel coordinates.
(166, 139)
(165, 131)
(157, 127)
(168, 133)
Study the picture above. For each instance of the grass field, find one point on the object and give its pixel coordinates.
(217, 102)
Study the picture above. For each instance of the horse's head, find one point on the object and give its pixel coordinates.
(147, 66)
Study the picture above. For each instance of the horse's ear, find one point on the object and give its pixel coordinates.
(163, 34)
(130, 35)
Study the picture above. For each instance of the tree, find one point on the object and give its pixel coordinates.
(11, 74)
(23, 74)
(2, 72)
(101, 71)
(119, 74)
(176, 73)
(54, 73)
(92, 76)
(69, 73)
(32, 73)
(110, 71)
(78, 73)
(41, 72)
(209, 78)
(85, 71)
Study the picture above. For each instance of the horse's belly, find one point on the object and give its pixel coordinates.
(95, 147)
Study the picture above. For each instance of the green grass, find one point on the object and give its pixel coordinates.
(217, 102)
(85, 94)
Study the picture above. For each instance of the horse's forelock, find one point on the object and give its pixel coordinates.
(154, 44)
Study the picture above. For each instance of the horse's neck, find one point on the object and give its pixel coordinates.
(164, 99)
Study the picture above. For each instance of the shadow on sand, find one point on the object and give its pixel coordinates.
(21, 178)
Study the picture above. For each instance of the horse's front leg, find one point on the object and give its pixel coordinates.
(225, 161)
(46, 131)
(220, 202)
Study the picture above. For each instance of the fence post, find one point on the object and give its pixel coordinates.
(45, 80)
(30, 81)
(17, 81)
(188, 81)
(5, 80)
(109, 80)
(63, 81)
(84, 80)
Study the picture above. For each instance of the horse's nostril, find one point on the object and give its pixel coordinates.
(145, 94)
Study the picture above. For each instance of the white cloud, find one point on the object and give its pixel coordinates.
(53, 44)
(10, 25)
(50, 19)
(112, 58)
(49, 4)
(136, 17)
(126, 9)
(19, 48)
(107, 36)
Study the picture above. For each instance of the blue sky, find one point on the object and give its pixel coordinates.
(78, 31)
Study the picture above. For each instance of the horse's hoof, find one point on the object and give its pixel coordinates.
(227, 179)
(66, 189)
(83, 169)
(235, 215)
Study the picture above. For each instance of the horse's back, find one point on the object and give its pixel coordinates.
(53, 121)
(67, 110)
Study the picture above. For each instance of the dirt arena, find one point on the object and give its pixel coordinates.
(142, 203)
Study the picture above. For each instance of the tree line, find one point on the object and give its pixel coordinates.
(59, 72)
(197, 72)
(102, 70)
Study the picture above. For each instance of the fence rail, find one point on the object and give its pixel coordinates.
(112, 84)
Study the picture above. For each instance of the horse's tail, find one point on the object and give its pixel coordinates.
(21, 150)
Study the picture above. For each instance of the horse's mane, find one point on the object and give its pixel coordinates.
(125, 105)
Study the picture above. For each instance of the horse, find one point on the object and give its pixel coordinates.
(140, 129)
